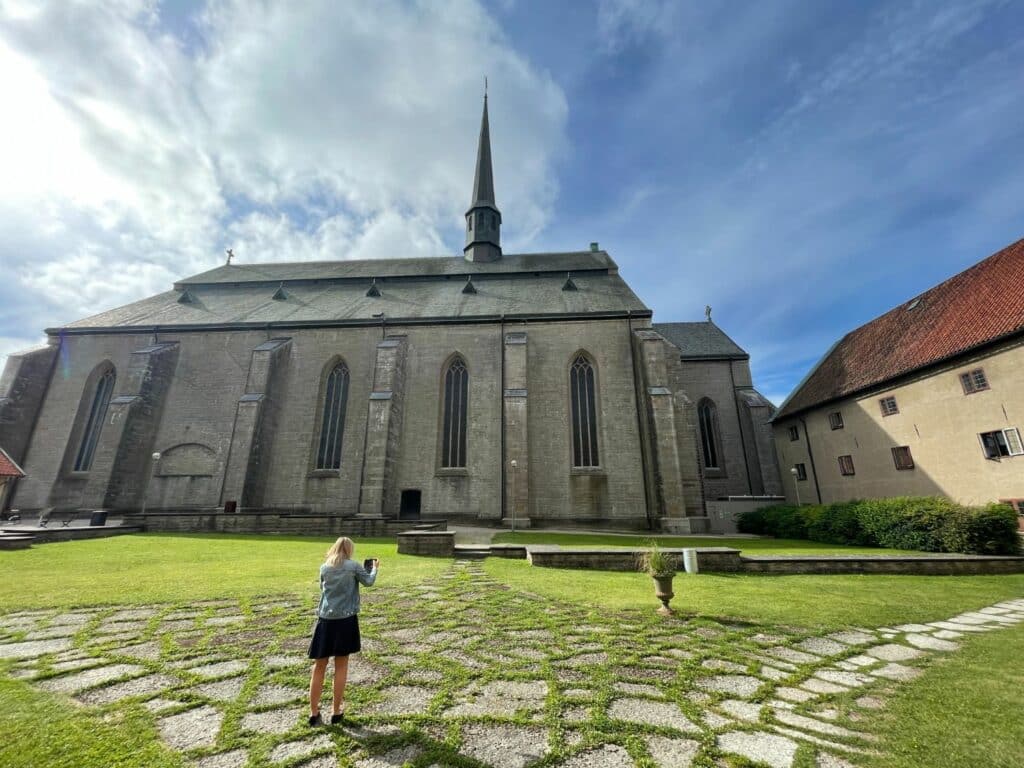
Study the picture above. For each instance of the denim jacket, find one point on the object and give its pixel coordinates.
(339, 588)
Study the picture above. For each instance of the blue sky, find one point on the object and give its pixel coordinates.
(799, 166)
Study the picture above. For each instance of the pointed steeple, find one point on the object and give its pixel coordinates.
(483, 219)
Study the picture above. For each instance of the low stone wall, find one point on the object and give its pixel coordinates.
(431, 543)
(929, 565)
(74, 533)
(289, 523)
(728, 560)
(510, 551)
(717, 559)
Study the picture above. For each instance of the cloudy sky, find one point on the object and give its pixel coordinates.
(800, 166)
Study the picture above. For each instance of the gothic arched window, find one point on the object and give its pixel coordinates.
(453, 423)
(332, 421)
(583, 399)
(94, 424)
(707, 415)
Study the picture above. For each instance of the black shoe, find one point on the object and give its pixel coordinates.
(315, 720)
(338, 718)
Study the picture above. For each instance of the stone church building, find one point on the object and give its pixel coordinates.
(474, 387)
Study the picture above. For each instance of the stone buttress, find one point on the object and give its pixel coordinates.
(674, 486)
(255, 425)
(377, 495)
(124, 451)
(514, 412)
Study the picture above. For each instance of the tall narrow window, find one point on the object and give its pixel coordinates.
(453, 426)
(97, 414)
(707, 415)
(582, 394)
(332, 423)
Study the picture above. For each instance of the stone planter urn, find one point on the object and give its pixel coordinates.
(663, 591)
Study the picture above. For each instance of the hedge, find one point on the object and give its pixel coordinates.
(928, 523)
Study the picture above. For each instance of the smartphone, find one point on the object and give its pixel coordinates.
(368, 563)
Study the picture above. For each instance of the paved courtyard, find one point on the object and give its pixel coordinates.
(464, 671)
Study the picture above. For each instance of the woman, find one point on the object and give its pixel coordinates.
(337, 626)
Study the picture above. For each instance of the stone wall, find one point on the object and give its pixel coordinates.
(283, 522)
(430, 543)
(724, 513)
(728, 560)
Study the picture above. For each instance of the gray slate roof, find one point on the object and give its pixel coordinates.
(430, 266)
(700, 340)
(528, 285)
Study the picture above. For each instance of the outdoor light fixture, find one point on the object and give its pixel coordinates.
(794, 473)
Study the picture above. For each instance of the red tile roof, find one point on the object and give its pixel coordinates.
(977, 306)
(7, 466)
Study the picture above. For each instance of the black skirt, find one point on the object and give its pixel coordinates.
(335, 637)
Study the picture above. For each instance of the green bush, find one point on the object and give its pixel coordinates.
(929, 524)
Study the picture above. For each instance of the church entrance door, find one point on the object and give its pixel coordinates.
(410, 505)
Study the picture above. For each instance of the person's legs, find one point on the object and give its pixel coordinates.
(316, 685)
(340, 678)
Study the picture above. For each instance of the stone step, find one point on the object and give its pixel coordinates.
(16, 540)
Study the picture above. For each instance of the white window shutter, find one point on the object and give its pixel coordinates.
(1013, 442)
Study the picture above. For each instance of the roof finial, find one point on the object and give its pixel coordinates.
(485, 87)
(707, 312)
(231, 255)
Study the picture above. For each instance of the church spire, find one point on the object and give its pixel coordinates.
(483, 219)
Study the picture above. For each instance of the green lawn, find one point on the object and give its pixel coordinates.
(758, 546)
(965, 710)
(149, 568)
(808, 601)
(40, 733)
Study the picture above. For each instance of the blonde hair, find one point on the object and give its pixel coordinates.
(340, 550)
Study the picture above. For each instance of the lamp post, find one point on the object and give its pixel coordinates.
(794, 473)
(514, 465)
(145, 489)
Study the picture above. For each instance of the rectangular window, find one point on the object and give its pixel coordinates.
(835, 420)
(973, 381)
(801, 471)
(888, 405)
(1001, 442)
(901, 456)
(846, 465)
(794, 434)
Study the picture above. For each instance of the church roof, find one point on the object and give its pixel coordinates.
(8, 467)
(698, 341)
(526, 286)
(979, 306)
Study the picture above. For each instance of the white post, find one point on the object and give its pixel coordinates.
(145, 488)
(514, 465)
(796, 484)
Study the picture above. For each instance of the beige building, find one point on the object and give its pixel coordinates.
(926, 399)
(484, 386)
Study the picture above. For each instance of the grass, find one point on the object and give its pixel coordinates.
(150, 568)
(965, 710)
(756, 546)
(809, 601)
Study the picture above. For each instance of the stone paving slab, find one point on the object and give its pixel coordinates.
(503, 746)
(148, 685)
(767, 748)
(644, 712)
(193, 729)
(79, 681)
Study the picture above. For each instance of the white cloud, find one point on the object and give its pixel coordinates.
(288, 131)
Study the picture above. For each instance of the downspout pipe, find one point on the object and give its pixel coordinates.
(739, 423)
(810, 454)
